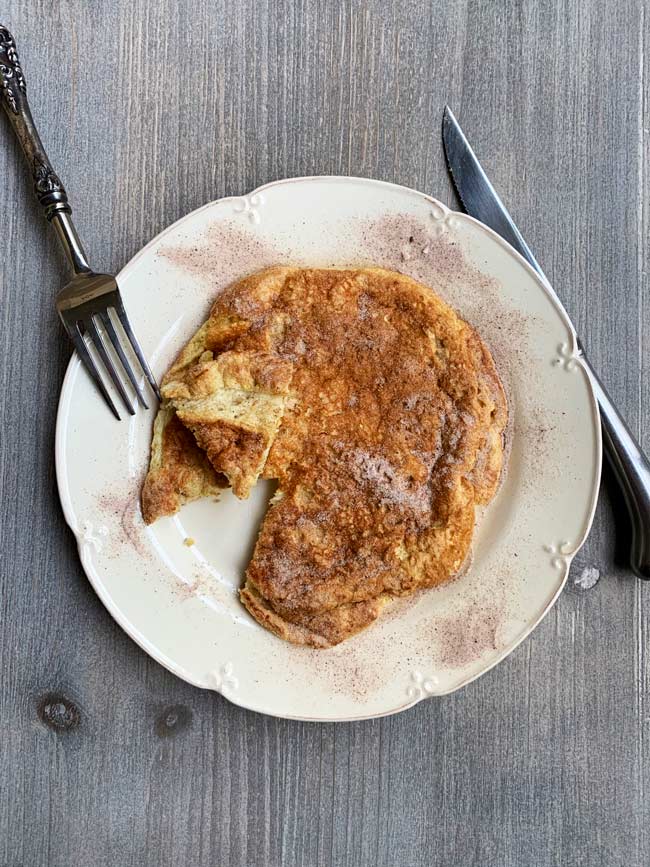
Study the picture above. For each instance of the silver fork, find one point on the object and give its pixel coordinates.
(85, 304)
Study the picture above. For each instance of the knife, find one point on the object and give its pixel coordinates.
(629, 463)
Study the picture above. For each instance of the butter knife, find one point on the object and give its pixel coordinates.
(628, 461)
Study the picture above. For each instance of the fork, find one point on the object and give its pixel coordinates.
(85, 304)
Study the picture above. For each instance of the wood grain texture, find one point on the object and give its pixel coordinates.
(151, 109)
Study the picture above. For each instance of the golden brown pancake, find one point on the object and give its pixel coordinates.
(233, 404)
(380, 413)
(179, 471)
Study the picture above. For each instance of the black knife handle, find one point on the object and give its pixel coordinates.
(49, 190)
(632, 470)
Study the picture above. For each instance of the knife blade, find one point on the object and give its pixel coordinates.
(631, 466)
(475, 191)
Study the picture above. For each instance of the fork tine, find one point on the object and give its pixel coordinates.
(117, 346)
(126, 325)
(82, 351)
(91, 326)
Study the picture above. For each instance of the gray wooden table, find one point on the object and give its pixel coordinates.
(150, 109)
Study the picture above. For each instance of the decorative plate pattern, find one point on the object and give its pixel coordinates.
(223, 680)
(180, 602)
(250, 206)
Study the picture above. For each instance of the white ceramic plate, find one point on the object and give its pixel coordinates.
(180, 602)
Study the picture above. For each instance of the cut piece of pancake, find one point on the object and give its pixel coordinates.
(179, 471)
(232, 404)
(380, 413)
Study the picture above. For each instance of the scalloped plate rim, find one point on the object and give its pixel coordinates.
(98, 585)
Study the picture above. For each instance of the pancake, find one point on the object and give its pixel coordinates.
(233, 404)
(377, 409)
(179, 471)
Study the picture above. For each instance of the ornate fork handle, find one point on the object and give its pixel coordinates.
(48, 188)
